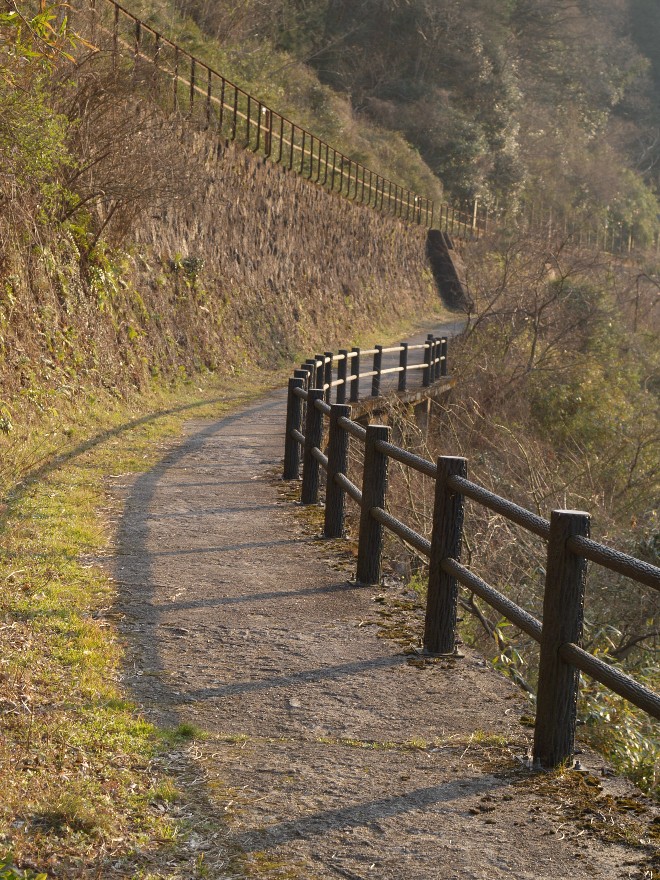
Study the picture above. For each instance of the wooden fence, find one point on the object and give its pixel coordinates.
(569, 546)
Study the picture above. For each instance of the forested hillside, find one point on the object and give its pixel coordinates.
(551, 101)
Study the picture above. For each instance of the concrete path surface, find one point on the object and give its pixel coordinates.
(330, 751)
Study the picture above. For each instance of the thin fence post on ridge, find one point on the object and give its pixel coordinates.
(377, 370)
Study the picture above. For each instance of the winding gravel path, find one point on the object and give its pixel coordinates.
(330, 752)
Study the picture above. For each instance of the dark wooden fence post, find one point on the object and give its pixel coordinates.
(342, 372)
(446, 539)
(327, 375)
(563, 609)
(403, 364)
(378, 367)
(306, 373)
(431, 342)
(313, 438)
(293, 421)
(443, 355)
(426, 372)
(320, 370)
(310, 364)
(355, 371)
(335, 497)
(374, 490)
(437, 352)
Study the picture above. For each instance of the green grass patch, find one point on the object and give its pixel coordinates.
(83, 795)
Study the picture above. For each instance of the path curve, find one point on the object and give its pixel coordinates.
(331, 754)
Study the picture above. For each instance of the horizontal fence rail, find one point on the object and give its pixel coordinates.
(185, 84)
(569, 546)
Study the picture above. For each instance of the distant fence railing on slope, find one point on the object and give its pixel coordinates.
(569, 546)
(198, 92)
(189, 86)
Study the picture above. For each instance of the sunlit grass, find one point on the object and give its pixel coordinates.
(80, 786)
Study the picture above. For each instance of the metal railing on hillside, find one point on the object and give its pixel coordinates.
(187, 85)
(569, 547)
(196, 91)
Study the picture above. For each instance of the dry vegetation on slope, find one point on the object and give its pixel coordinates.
(557, 408)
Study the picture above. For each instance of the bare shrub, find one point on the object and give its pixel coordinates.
(129, 161)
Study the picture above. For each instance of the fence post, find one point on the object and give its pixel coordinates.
(374, 490)
(431, 341)
(335, 497)
(193, 73)
(138, 40)
(342, 372)
(327, 375)
(259, 113)
(355, 371)
(209, 94)
(221, 109)
(438, 355)
(446, 540)
(563, 609)
(426, 372)
(378, 366)
(234, 121)
(310, 363)
(115, 41)
(443, 355)
(293, 421)
(280, 148)
(305, 373)
(320, 371)
(313, 438)
(403, 363)
(325, 169)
